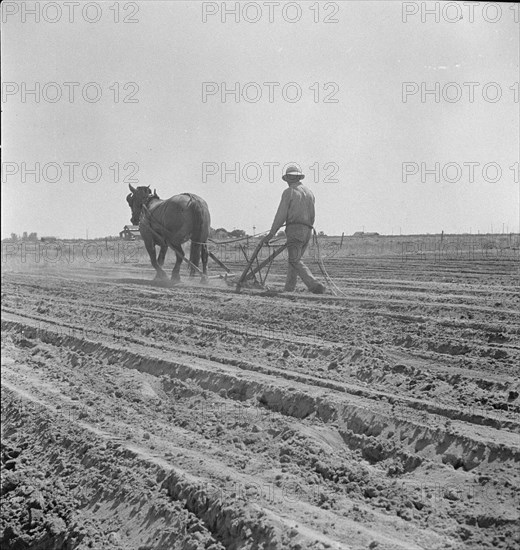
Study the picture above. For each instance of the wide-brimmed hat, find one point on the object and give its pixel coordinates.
(293, 173)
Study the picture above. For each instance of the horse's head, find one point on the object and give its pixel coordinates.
(136, 199)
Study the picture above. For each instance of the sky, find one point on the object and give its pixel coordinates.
(347, 104)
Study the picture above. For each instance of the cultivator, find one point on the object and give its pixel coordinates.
(256, 270)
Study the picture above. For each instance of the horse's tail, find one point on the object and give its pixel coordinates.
(200, 228)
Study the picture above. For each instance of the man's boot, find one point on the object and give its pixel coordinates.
(319, 289)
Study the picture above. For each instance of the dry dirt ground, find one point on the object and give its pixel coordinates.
(139, 416)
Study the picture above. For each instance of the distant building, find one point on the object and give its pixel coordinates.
(48, 239)
(130, 233)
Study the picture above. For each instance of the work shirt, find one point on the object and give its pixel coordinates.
(296, 206)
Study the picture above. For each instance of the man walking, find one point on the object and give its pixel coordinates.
(296, 211)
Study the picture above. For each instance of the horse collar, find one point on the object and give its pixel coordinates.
(146, 202)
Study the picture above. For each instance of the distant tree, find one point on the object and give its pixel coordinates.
(280, 234)
(220, 232)
(321, 234)
(24, 236)
(238, 233)
(33, 236)
(14, 237)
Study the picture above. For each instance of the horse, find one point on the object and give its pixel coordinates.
(170, 223)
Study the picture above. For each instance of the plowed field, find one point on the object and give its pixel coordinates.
(139, 416)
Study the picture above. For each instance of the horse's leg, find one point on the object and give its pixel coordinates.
(162, 254)
(150, 248)
(194, 257)
(179, 254)
(204, 252)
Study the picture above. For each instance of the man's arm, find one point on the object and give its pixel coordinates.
(281, 214)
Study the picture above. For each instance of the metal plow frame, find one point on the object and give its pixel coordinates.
(250, 273)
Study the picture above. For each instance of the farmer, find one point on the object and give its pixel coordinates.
(296, 211)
